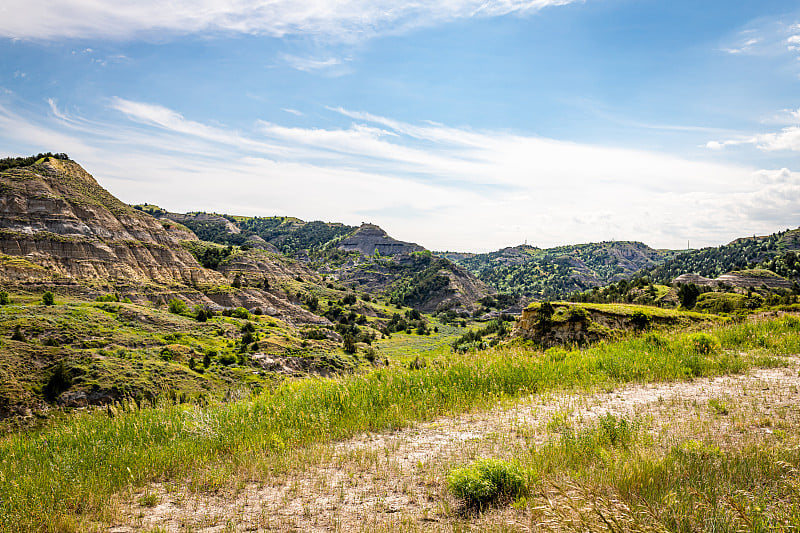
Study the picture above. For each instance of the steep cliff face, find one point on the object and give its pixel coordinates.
(54, 215)
(59, 227)
(579, 324)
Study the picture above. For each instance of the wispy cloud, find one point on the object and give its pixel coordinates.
(743, 47)
(341, 20)
(445, 187)
(308, 64)
(773, 36)
(787, 139)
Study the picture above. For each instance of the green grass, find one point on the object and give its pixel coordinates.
(62, 478)
(629, 309)
(621, 479)
(403, 347)
(129, 350)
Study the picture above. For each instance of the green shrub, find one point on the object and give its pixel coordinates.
(656, 340)
(577, 314)
(615, 431)
(349, 343)
(18, 335)
(178, 306)
(4, 298)
(241, 312)
(227, 359)
(58, 382)
(703, 343)
(486, 481)
(107, 298)
(640, 319)
(48, 298)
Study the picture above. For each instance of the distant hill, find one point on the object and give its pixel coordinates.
(554, 273)
(364, 257)
(776, 252)
(289, 235)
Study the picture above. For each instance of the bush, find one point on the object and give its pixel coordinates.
(241, 312)
(486, 481)
(48, 298)
(578, 315)
(58, 382)
(200, 313)
(107, 298)
(703, 343)
(640, 319)
(4, 298)
(349, 344)
(178, 306)
(227, 359)
(545, 311)
(17, 335)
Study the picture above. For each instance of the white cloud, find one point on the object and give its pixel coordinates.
(788, 139)
(744, 47)
(444, 187)
(307, 64)
(340, 20)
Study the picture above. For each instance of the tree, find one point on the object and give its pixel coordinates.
(178, 306)
(17, 335)
(4, 298)
(48, 298)
(349, 343)
(688, 294)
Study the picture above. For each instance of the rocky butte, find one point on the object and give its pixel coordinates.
(60, 229)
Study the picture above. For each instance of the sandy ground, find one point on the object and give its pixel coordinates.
(396, 481)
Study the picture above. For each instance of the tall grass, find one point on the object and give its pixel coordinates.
(53, 480)
(608, 476)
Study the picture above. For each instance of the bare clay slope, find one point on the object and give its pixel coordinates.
(57, 217)
(60, 228)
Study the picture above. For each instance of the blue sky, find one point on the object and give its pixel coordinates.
(458, 124)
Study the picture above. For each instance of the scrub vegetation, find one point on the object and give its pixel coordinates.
(67, 475)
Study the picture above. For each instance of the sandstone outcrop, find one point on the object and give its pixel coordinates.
(66, 227)
(370, 238)
(60, 229)
(741, 279)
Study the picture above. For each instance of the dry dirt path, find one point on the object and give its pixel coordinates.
(396, 481)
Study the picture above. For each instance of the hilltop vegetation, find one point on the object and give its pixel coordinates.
(554, 273)
(289, 235)
(773, 251)
(14, 162)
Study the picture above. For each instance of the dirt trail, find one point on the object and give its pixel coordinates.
(397, 480)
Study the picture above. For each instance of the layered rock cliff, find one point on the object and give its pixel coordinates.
(60, 228)
(67, 228)
(369, 238)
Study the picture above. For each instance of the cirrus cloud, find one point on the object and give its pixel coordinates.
(345, 20)
(441, 186)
